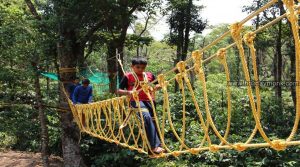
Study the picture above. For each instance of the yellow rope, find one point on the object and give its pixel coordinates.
(293, 18)
(222, 57)
(236, 35)
(114, 121)
(249, 40)
(120, 62)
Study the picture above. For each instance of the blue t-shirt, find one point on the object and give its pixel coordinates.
(71, 89)
(82, 95)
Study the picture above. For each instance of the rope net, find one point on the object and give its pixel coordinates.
(114, 121)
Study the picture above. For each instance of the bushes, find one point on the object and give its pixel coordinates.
(6, 140)
(21, 131)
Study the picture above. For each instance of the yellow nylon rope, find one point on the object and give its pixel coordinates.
(222, 57)
(293, 18)
(249, 40)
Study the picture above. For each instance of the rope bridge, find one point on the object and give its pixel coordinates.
(114, 121)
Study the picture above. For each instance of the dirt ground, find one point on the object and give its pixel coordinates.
(25, 159)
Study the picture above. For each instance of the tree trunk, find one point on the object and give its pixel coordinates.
(180, 44)
(43, 121)
(112, 67)
(291, 52)
(187, 30)
(118, 44)
(187, 37)
(278, 57)
(138, 50)
(79, 51)
(68, 54)
(48, 79)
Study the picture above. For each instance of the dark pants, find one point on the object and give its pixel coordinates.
(148, 122)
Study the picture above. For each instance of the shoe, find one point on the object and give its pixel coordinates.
(158, 150)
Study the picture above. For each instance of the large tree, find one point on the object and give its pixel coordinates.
(120, 14)
(184, 18)
(76, 31)
(74, 28)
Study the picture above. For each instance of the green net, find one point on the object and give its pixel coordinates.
(99, 80)
(52, 76)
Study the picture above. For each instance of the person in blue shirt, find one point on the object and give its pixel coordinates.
(73, 85)
(83, 94)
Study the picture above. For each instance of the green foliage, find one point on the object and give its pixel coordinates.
(100, 153)
(134, 40)
(160, 52)
(6, 141)
(20, 129)
(179, 18)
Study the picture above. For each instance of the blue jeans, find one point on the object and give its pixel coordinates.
(148, 122)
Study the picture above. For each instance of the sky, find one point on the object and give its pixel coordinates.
(215, 11)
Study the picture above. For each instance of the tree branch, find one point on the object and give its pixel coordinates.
(146, 25)
(33, 10)
(133, 9)
(91, 32)
(90, 50)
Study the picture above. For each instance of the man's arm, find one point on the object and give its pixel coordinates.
(90, 95)
(75, 95)
(157, 86)
(122, 86)
(124, 92)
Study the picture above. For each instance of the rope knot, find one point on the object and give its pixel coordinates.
(162, 155)
(235, 30)
(161, 80)
(179, 80)
(214, 148)
(176, 153)
(221, 53)
(249, 38)
(291, 14)
(278, 145)
(181, 66)
(131, 148)
(289, 3)
(239, 147)
(135, 95)
(145, 87)
(194, 151)
(197, 56)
